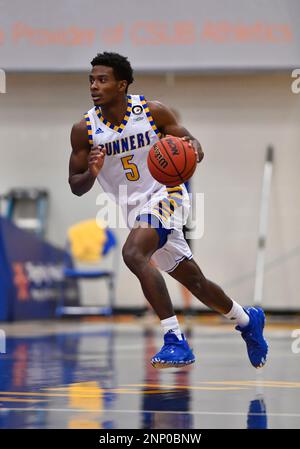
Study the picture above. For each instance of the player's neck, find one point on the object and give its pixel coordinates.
(115, 112)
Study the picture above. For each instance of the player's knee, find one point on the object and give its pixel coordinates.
(198, 284)
(132, 257)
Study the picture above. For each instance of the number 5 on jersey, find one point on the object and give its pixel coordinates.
(133, 174)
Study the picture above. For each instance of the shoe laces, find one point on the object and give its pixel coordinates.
(254, 339)
(169, 346)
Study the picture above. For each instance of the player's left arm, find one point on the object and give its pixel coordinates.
(167, 123)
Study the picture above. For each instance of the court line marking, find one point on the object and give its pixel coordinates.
(244, 385)
(8, 399)
(80, 392)
(68, 410)
(95, 393)
(75, 393)
(161, 389)
(257, 383)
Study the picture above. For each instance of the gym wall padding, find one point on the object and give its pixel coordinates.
(31, 275)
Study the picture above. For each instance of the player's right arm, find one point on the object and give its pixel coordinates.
(85, 163)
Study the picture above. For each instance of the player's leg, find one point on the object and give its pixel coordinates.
(185, 293)
(250, 321)
(189, 274)
(140, 245)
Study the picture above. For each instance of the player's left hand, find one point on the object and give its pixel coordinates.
(195, 144)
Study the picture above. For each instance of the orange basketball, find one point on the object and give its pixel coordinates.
(171, 161)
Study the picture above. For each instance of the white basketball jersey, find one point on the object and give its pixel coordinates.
(127, 148)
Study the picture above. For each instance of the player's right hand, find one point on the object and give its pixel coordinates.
(96, 159)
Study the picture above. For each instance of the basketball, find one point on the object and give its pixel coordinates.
(171, 161)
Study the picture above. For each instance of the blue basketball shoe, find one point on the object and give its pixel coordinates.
(175, 353)
(257, 347)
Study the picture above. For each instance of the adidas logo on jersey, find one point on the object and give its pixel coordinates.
(98, 131)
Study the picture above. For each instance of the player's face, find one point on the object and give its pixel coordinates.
(103, 85)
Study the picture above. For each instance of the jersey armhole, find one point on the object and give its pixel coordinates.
(149, 116)
(89, 129)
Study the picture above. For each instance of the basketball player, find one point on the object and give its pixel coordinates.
(111, 144)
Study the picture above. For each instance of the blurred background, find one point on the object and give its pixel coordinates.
(225, 66)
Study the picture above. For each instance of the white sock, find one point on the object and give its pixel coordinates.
(238, 315)
(171, 324)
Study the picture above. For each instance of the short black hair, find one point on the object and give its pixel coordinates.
(120, 65)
